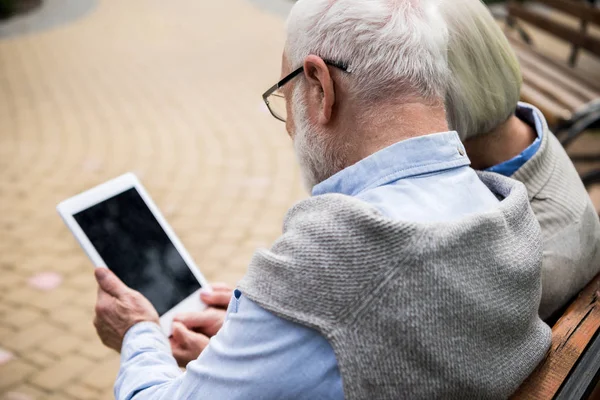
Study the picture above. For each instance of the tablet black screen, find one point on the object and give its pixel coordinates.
(134, 246)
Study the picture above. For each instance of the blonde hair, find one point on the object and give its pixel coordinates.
(485, 77)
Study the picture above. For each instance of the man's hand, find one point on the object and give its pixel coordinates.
(118, 308)
(209, 321)
(191, 331)
(219, 297)
(186, 344)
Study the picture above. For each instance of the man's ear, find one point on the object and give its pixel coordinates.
(321, 88)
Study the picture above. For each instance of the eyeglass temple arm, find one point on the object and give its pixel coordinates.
(298, 71)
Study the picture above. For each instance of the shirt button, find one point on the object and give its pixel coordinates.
(461, 151)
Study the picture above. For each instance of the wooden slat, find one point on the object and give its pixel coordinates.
(569, 34)
(554, 112)
(584, 376)
(570, 336)
(531, 60)
(586, 80)
(581, 10)
(551, 89)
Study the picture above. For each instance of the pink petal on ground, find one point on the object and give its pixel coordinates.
(5, 356)
(45, 280)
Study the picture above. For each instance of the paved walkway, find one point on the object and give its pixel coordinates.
(168, 89)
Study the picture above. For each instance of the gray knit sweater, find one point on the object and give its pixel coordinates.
(412, 310)
(568, 219)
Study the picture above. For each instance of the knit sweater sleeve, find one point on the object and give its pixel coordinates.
(323, 240)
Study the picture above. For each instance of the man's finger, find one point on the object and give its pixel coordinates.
(196, 319)
(221, 287)
(217, 298)
(109, 283)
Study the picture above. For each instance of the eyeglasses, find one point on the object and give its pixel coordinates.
(275, 99)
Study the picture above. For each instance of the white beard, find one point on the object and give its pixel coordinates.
(318, 157)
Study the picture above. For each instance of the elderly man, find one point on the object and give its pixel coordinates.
(404, 275)
(513, 139)
(503, 136)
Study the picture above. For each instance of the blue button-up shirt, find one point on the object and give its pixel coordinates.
(257, 355)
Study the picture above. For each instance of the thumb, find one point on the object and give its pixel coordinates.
(216, 298)
(197, 320)
(109, 282)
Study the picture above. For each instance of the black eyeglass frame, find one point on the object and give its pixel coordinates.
(291, 76)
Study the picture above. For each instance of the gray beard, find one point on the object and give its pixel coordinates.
(318, 157)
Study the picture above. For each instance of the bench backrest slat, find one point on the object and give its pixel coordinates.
(570, 338)
(571, 35)
(577, 8)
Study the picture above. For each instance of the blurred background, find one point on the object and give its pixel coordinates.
(171, 90)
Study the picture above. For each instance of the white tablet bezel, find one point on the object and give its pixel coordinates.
(109, 189)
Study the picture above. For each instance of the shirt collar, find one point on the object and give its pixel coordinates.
(532, 116)
(411, 157)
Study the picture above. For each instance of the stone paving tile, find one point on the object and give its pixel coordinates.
(81, 392)
(60, 345)
(85, 329)
(29, 337)
(21, 317)
(6, 333)
(61, 396)
(10, 279)
(32, 392)
(82, 282)
(14, 372)
(61, 374)
(84, 300)
(71, 317)
(94, 351)
(40, 359)
(102, 375)
(4, 308)
(44, 301)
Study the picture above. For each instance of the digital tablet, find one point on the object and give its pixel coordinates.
(119, 227)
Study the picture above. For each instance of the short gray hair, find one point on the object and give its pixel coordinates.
(390, 46)
(485, 81)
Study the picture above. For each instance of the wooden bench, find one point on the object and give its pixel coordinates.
(571, 368)
(569, 99)
(591, 178)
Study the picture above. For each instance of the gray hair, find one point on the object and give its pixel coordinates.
(485, 82)
(391, 47)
